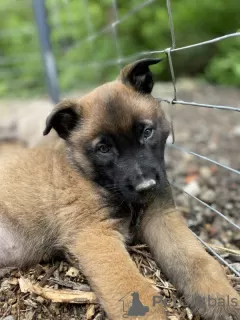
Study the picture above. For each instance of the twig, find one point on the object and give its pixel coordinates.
(232, 251)
(164, 287)
(70, 284)
(61, 296)
(142, 253)
(48, 274)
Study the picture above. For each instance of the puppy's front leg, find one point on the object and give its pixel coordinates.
(182, 258)
(112, 273)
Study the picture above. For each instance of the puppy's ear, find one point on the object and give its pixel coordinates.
(64, 117)
(138, 75)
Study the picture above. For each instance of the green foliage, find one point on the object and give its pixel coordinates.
(20, 60)
(225, 65)
(71, 21)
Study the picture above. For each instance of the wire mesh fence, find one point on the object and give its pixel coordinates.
(59, 53)
(175, 101)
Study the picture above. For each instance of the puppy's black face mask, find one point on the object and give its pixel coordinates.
(130, 165)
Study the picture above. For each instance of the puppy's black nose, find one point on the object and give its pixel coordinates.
(146, 185)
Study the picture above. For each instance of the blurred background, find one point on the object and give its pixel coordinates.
(73, 22)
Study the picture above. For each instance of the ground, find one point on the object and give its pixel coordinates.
(212, 133)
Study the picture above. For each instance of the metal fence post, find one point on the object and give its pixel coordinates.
(45, 44)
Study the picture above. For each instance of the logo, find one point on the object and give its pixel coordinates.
(132, 305)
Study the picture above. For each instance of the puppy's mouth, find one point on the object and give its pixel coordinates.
(146, 197)
(139, 197)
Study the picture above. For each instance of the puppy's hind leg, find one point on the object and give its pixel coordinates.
(11, 246)
(20, 248)
(6, 257)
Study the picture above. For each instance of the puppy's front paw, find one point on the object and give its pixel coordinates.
(211, 295)
(216, 307)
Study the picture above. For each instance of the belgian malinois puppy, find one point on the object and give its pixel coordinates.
(106, 184)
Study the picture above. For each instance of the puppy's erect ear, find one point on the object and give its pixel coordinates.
(138, 75)
(64, 117)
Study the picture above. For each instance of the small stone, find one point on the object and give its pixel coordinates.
(40, 299)
(208, 196)
(208, 213)
(236, 131)
(205, 173)
(192, 188)
(212, 182)
(8, 318)
(197, 208)
(182, 200)
(229, 206)
(212, 145)
(72, 272)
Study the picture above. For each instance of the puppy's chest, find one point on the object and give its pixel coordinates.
(129, 222)
(136, 219)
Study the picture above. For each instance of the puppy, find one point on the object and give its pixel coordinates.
(106, 184)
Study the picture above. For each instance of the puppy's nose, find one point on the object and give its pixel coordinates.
(145, 185)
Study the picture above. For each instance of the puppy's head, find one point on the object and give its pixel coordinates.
(116, 134)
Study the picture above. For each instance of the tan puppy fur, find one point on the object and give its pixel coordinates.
(63, 200)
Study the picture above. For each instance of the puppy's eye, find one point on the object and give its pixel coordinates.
(148, 133)
(104, 148)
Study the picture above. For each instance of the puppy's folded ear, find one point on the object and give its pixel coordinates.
(138, 75)
(63, 119)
